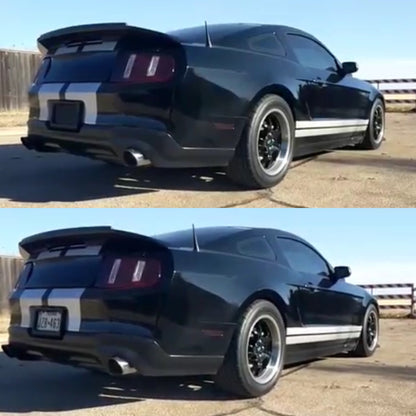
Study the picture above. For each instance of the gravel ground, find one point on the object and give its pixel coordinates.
(383, 385)
(344, 178)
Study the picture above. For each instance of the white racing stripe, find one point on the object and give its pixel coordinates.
(314, 330)
(29, 298)
(329, 131)
(307, 335)
(71, 300)
(62, 50)
(87, 93)
(315, 124)
(47, 92)
(66, 298)
(98, 47)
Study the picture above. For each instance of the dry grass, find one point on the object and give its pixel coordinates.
(13, 118)
(401, 108)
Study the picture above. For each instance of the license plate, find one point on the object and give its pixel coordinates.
(66, 115)
(49, 321)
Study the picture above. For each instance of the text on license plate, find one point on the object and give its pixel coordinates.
(49, 321)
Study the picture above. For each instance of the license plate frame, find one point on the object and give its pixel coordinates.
(45, 332)
(74, 110)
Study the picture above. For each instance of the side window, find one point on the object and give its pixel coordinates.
(311, 54)
(266, 43)
(255, 247)
(302, 258)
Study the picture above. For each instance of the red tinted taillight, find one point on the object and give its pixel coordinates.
(129, 273)
(42, 71)
(145, 68)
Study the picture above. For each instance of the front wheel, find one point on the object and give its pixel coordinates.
(376, 127)
(265, 151)
(254, 361)
(369, 337)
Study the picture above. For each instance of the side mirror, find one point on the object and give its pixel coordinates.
(341, 272)
(349, 67)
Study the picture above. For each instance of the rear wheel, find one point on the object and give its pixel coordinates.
(265, 151)
(376, 128)
(255, 357)
(369, 335)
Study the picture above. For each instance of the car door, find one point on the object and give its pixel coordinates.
(322, 301)
(335, 102)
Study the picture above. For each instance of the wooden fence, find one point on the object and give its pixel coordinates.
(389, 299)
(397, 91)
(17, 70)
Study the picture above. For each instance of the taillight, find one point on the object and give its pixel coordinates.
(24, 276)
(129, 273)
(145, 68)
(42, 71)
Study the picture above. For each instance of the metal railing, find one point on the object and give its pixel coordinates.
(396, 301)
(398, 90)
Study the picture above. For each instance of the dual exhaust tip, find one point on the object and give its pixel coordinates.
(119, 367)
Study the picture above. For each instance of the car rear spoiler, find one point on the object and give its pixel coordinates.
(94, 32)
(35, 244)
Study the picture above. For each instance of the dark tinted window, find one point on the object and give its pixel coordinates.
(224, 239)
(266, 43)
(255, 247)
(302, 258)
(310, 54)
(65, 272)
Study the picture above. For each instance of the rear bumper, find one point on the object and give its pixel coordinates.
(94, 350)
(109, 142)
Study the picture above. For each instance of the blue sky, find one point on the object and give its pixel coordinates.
(377, 243)
(379, 35)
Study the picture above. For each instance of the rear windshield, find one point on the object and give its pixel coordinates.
(65, 272)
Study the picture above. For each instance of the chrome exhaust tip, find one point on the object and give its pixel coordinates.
(119, 367)
(134, 158)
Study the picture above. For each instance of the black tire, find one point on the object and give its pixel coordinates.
(245, 168)
(365, 347)
(373, 138)
(235, 375)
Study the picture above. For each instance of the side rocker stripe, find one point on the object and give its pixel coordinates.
(319, 330)
(307, 339)
(331, 123)
(329, 131)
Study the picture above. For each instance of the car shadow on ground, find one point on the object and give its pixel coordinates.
(26, 176)
(45, 387)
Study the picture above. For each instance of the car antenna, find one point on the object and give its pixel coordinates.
(195, 238)
(208, 42)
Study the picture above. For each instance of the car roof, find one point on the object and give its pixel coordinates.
(226, 231)
(222, 30)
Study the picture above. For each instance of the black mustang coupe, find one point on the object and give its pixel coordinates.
(247, 97)
(236, 303)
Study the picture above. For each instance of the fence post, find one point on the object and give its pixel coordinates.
(412, 303)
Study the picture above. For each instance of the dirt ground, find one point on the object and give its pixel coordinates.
(383, 385)
(344, 178)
